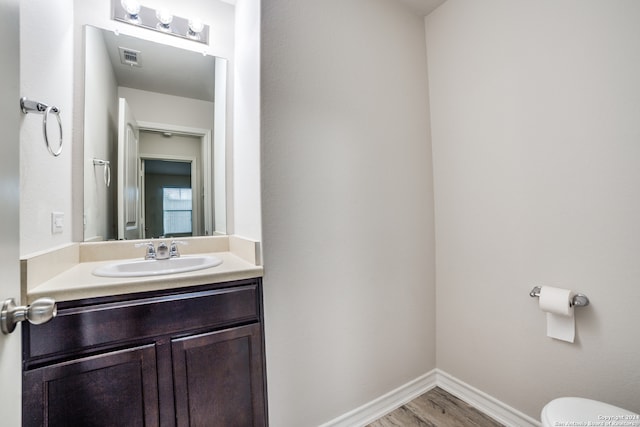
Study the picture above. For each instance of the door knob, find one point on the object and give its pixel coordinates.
(40, 311)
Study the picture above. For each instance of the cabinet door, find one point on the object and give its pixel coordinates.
(112, 389)
(218, 378)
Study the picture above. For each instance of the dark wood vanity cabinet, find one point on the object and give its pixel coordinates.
(117, 387)
(185, 357)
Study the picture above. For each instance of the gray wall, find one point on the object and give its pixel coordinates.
(347, 205)
(535, 125)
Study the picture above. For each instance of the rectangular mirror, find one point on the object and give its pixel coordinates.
(154, 139)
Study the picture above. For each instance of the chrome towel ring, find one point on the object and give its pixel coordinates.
(28, 106)
(107, 169)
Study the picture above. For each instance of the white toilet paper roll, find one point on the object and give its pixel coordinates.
(556, 302)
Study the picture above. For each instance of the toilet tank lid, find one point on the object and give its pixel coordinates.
(580, 411)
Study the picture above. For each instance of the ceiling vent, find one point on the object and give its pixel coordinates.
(130, 57)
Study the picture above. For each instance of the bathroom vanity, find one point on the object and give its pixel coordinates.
(175, 349)
(174, 355)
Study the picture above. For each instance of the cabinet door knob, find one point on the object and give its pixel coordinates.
(40, 311)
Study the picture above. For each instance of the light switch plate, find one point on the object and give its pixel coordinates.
(57, 222)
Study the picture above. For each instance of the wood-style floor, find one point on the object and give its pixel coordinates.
(436, 408)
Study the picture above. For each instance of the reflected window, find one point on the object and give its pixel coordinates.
(177, 206)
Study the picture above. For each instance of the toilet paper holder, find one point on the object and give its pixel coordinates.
(578, 300)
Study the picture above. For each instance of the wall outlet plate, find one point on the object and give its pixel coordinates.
(57, 222)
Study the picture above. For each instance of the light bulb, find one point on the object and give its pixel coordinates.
(195, 27)
(165, 17)
(132, 7)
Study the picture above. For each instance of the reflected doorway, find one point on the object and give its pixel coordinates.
(169, 196)
(172, 160)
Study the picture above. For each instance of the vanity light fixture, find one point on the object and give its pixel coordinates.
(162, 20)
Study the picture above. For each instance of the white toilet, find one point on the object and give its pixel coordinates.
(576, 411)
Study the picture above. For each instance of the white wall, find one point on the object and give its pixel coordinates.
(46, 75)
(246, 122)
(100, 140)
(153, 144)
(347, 205)
(173, 110)
(535, 112)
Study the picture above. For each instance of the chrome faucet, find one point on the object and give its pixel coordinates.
(150, 252)
(162, 252)
(173, 251)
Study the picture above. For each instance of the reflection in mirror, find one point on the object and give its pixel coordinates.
(156, 114)
(168, 195)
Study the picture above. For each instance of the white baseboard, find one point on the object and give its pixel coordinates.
(480, 400)
(381, 406)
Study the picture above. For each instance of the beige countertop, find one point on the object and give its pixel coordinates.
(56, 275)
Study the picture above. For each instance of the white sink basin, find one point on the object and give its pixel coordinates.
(154, 267)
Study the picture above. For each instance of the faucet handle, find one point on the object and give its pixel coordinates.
(173, 251)
(162, 251)
(151, 250)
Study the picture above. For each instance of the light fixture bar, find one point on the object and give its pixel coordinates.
(147, 18)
